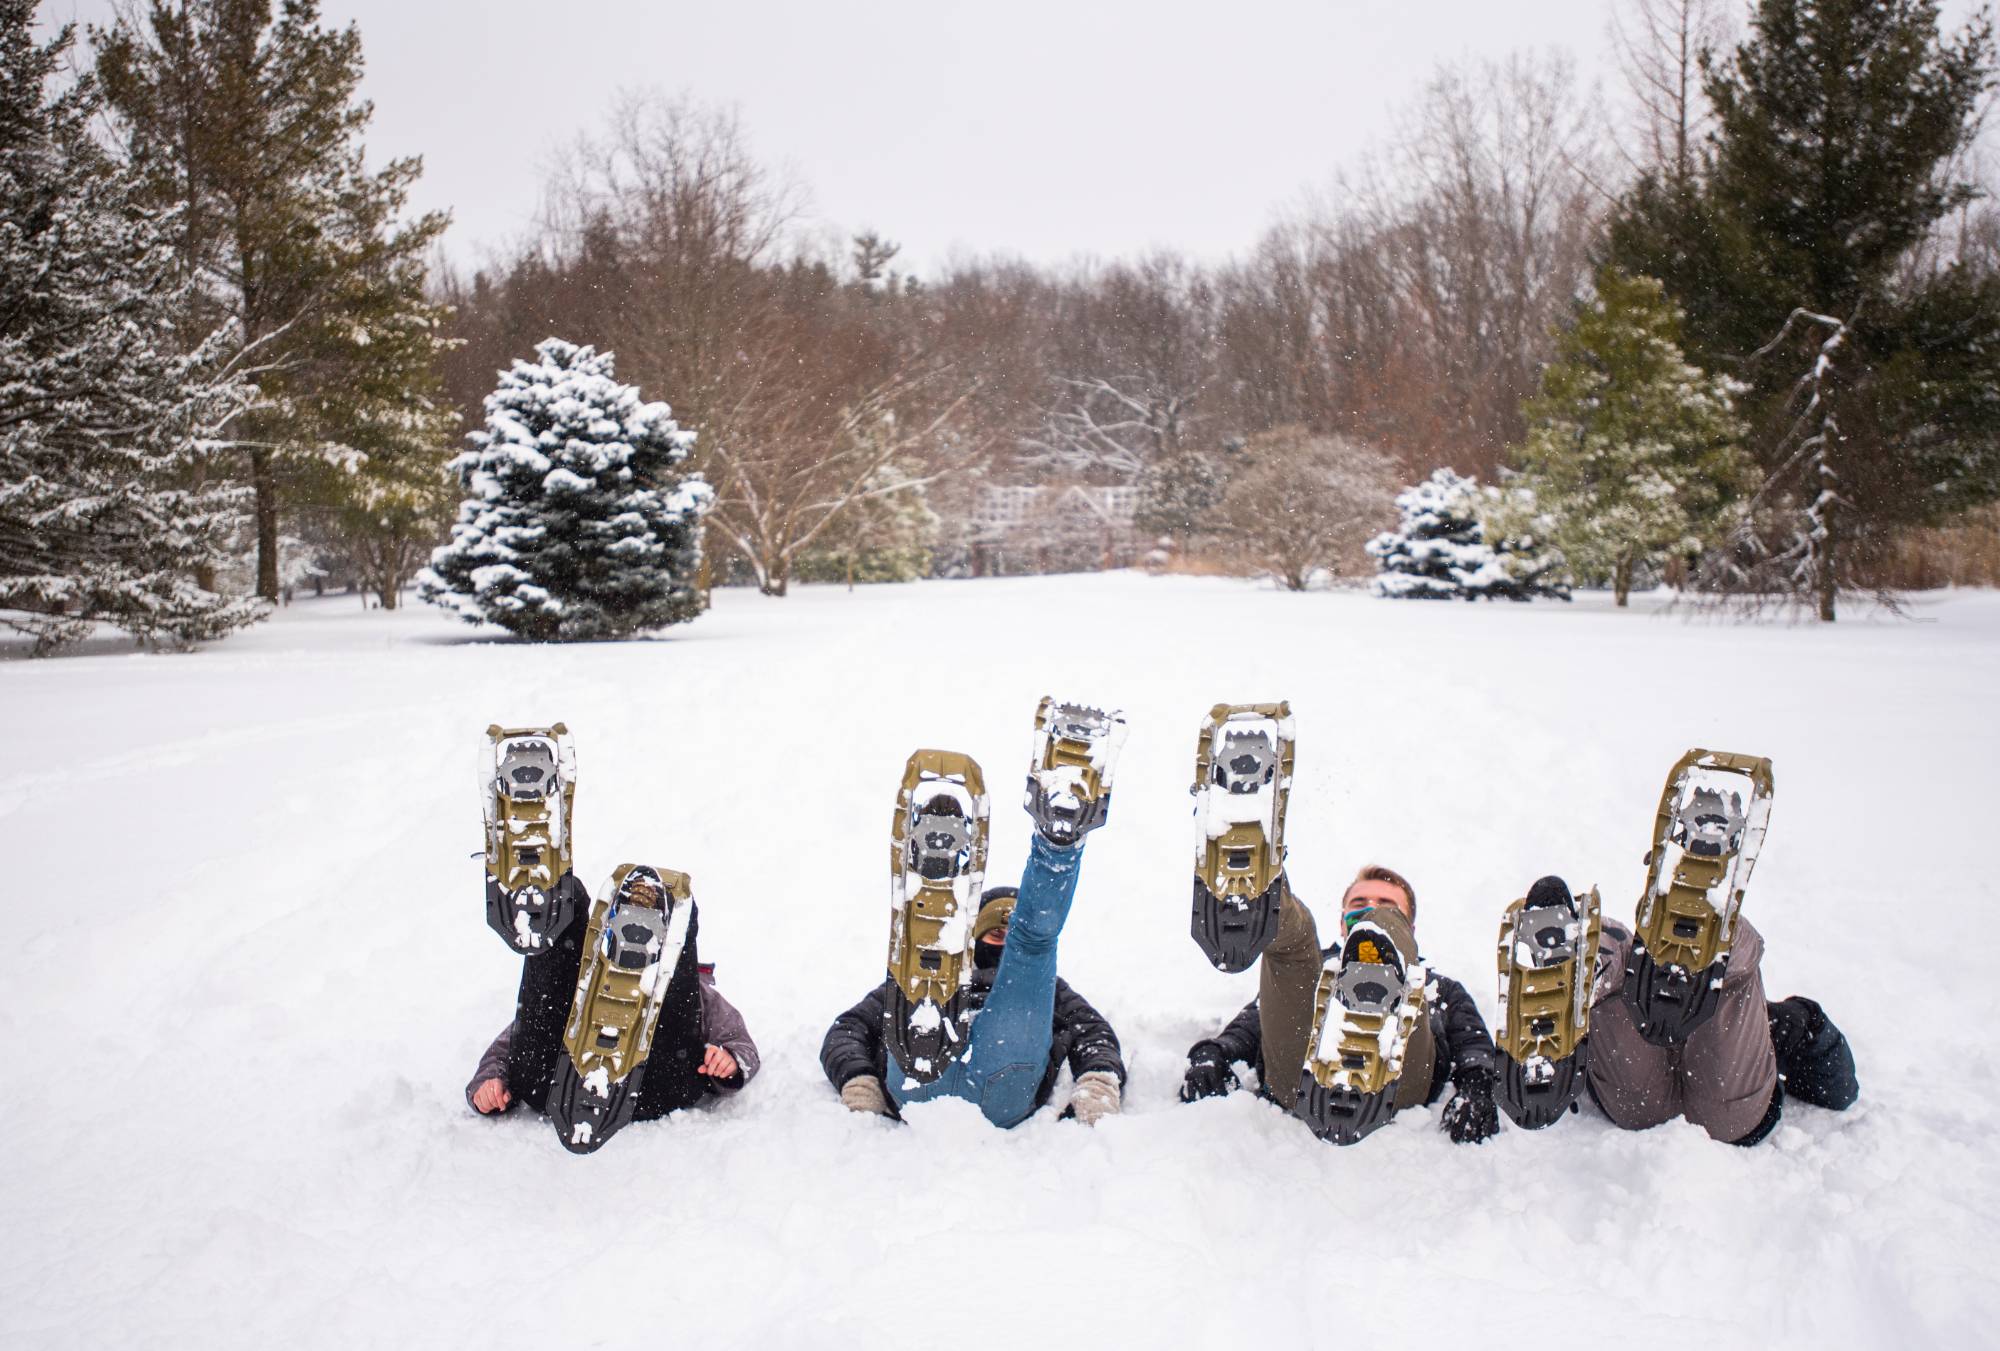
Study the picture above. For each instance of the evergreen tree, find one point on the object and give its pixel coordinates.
(250, 120)
(579, 523)
(1632, 452)
(103, 418)
(1838, 124)
(1180, 490)
(1440, 550)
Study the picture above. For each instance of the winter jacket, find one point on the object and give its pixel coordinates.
(1081, 1037)
(721, 1025)
(1456, 1024)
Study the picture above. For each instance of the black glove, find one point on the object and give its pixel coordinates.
(1470, 1116)
(1208, 1072)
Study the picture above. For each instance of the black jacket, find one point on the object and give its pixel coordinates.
(1460, 1032)
(1082, 1037)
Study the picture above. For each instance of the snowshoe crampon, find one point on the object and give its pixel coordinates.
(1069, 776)
(937, 862)
(638, 926)
(1711, 823)
(1365, 1012)
(1242, 780)
(527, 790)
(1548, 957)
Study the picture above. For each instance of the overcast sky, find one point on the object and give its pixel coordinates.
(1046, 130)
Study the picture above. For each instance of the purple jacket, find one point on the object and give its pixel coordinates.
(721, 1026)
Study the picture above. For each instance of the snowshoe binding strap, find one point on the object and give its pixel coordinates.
(1242, 782)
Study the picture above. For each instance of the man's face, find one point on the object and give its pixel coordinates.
(1370, 894)
(996, 937)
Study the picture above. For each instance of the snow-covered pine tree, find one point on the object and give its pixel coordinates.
(1632, 452)
(104, 420)
(1519, 531)
(579, 523)
(1439, 552)
(1438, 545)
(887, 534)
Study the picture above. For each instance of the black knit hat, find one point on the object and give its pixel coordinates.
(1549, 890)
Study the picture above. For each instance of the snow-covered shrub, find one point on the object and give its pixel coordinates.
(1439, 552)
(578, 523)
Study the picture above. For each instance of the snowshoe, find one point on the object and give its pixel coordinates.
(1069, 777)
(1242, 780)
(528, 794)
(1364, 1014)
(637, 929)
(1712, 818)
(1548, 956)
(937, 861)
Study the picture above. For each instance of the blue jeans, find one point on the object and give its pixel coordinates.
(1008, 1055)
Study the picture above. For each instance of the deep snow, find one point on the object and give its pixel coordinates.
(247, 975)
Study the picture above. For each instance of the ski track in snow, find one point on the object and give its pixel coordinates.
(248, 975)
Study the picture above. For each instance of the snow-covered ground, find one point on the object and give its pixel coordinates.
(246, 975)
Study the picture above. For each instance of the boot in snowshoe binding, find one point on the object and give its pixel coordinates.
(1365, 1011)
(528, 795)
(1548, 956)
(638, 926)
(1711, 823)
(937, 861)
(1069, 777)
(1242, 781)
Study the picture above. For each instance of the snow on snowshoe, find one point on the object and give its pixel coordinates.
(1242, 780)
(1548, 955)
(937, 862)
(1069, 776)
(638, 926)
(527, 793)
(1711, 823)
(1365, 1011)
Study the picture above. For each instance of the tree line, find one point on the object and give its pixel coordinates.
(1746, 347)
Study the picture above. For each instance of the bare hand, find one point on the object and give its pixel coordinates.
(491, 1096)
(718, 1063)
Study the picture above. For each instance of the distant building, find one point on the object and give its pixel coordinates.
(1074, 527)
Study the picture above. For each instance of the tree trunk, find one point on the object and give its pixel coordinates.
(1621, 581)
(264, 482)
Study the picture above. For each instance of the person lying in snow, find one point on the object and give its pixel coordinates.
(1733, 1072)
(1451, 1047)
(856, 1058)
(701, 1046)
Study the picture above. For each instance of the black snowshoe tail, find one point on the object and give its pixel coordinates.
(527, 791)
(1233, 936)
(1340, 1114)
(925, 1037)
(1669, 1002)
(532, 919)
(1242, 782)
(1540, 1092)
(588, 1109)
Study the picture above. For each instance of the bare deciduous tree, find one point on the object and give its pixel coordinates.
(1302, 503)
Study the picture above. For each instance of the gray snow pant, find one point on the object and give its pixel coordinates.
(1722, 1079)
